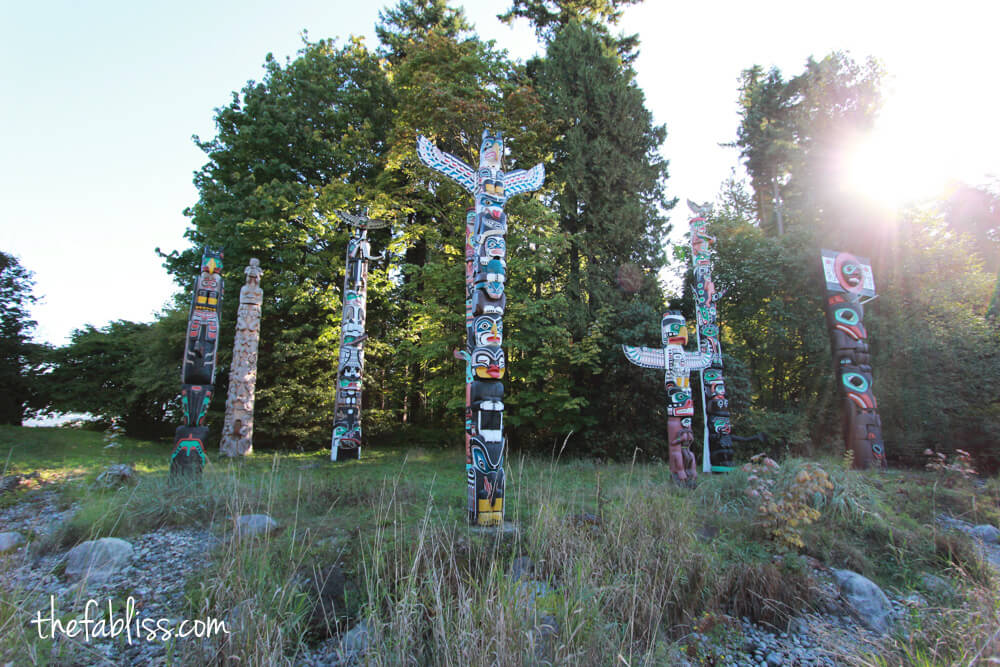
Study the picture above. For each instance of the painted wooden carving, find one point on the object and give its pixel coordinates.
(677, 366)
(848, 278)
(237, 429)
(345, 442)
(485, 302)
(198, 366)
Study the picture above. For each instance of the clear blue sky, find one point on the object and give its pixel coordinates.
(100, 101)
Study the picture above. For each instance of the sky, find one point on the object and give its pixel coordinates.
(100, 101)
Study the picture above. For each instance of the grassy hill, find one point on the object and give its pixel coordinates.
(627, 568)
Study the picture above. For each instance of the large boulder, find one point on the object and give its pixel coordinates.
(869, 603)
(96, 561)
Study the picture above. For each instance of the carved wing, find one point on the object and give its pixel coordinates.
(697, 361)
(700, 210)
(645, 356)
(361, 221)
(446, 163)
(520, 181)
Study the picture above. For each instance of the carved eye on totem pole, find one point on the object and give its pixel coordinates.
(491, 222)
(482, 461)
(847, 318)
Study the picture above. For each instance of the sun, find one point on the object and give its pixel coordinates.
(913, 152)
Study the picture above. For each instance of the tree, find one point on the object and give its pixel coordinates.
(549, 16)
(290, 150)
(607, 180)
(16, 350)
(128, 371)
(792, 134)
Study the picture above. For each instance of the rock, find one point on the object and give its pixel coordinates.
(798, 626)
(915, 600)
(936, 585)
(868, 601)
(97, 561)
(118, 474)
(255, 524)
(986, 533)
(529, 590)
(521, 568)
(337, 599)
(774, 659)
(356, 639)
(10, 541)
(544, 637)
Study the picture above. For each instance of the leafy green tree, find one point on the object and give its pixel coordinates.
(792, 135)
(128, 371)
(549, 16)
(290, 150)
(16, 350)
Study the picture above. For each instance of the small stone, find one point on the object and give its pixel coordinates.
(356, 639)
(255, 524)
(986, 533)
(10, 541)
(775, 659)
(935, 584)
(522, 567)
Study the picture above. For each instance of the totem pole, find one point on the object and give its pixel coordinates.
(198, 368)
(677, 366)
(485, 301)
(717, 449)
(346, 439)
(848, 278)
(237, 429)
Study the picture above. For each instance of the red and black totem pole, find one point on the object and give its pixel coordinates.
(848, 279)
(198, 369)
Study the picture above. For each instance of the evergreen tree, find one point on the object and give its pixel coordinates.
(607, 179)
(16, 350)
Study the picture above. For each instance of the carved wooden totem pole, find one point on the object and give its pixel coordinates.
(237, 429)
(677, 366)
(346, 440)
(198, 369)
(485, 301)
(848, 278)
(718, 443)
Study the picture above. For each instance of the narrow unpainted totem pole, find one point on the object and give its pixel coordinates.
(717, 449)
(485, 301)
(677, 366)
(237, 429)
(848, 278)
(346, 440)
(198, 368)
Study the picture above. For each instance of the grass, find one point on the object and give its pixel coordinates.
(657, 565)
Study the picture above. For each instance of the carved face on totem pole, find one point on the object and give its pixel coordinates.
(194, 403)
(488, 363)
(492, 247)
(487, 331)
(674, 329)
(489, 464)
(491, 222)
(354, 316)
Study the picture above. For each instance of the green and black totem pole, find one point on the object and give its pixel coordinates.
(485, 301)
(198, 367)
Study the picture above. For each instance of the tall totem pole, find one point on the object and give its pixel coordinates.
(677, 366)
(346, 439)
(198, 368)
(237, 429)
(718, 444)
(485, 301)
(848, 278)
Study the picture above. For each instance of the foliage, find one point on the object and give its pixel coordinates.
(784, 516)
(960, 465)
(124, 371)
(16, 350)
